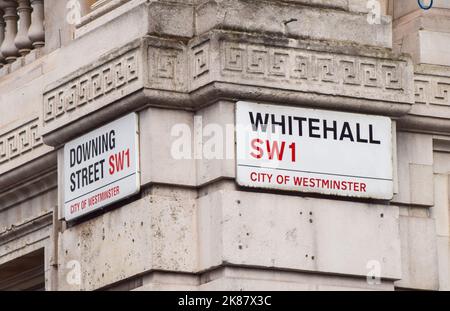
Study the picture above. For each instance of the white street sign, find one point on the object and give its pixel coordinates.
(101, 167)
(317, 151)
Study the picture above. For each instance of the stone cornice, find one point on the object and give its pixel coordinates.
(27, 171)
(224, 65)
(27, 188)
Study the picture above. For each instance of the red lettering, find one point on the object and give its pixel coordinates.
(293, 153)
(275, 149)
(127, 153)
(363, 187)
(117, 161)
(261, 177)
(297, 181)
(74, 208)
(255, 145)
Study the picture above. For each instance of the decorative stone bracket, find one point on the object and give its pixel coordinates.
(221, 65)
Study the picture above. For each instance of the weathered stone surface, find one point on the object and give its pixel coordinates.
(288, 232)
(160, 130)
(273, 17)
(151, 233)
(216, 161)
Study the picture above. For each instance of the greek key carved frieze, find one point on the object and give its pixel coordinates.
(112, 76)
(432, 90)
(19, 141)
(295, 66)
(167, 68)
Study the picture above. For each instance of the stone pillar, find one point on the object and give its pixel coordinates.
(8, 47)
(22, 41)
(36, 32)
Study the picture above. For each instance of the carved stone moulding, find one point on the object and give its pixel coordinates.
(431, 111)
(223, 65)
(19, 144)
(110, 78)
(382, 81)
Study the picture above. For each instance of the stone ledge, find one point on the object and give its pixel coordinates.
(24, 173)
(25, 228)
(26, 189)
(26, 244)
(235, 278)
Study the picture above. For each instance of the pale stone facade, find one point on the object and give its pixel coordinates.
(191, 227)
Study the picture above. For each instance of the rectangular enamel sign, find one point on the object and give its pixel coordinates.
(317, 151)
(101, 167)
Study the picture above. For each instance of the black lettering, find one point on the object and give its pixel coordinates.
(96, 147)
(358, 135)
(371, 139)
(72, 182)
(87, 175)
(84, 177)
(300, 125)
(72, 157)
(313, 128)
(346, 132)
(327, 129)
(91, 173)
(112, 140)
(79, 154)
(282, 123)
(290, 125)
(87, 151)
(102, 166)
(258, 121)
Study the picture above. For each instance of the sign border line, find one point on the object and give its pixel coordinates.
(100, 187)
(310, 172)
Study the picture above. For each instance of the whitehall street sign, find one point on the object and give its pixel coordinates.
(101, 167)
(316, 151)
